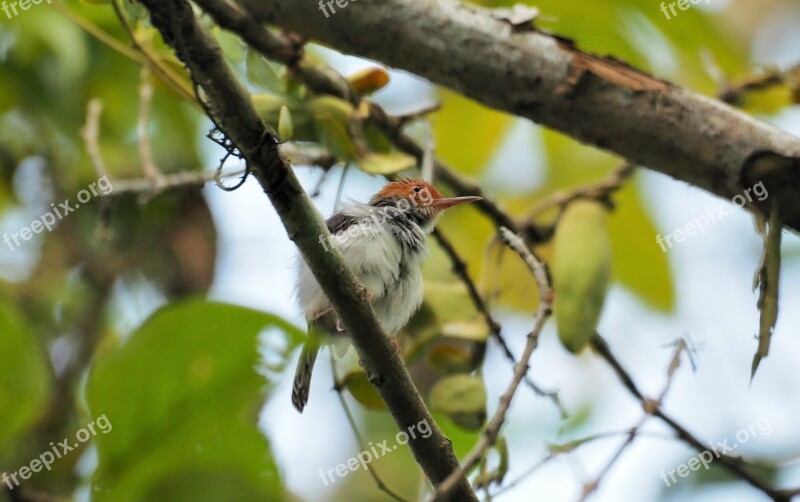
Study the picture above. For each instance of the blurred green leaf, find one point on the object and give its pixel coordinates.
(639, 263)
(25, 381)
(183, 395)
(467, 133)
(362, 390)
(261, 72)
(386, 163)
(462, 398)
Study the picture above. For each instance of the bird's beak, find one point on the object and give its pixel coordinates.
(442, 204)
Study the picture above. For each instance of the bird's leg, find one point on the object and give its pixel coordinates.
(321, 313)
(395, 345)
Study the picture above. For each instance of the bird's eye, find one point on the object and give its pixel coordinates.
(417, 188)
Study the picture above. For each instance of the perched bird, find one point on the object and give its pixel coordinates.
(383, 243)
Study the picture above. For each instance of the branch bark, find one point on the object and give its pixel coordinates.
(230, 107)
(545, 78)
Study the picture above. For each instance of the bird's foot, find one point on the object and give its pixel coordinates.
(395, 345)
(322, 313)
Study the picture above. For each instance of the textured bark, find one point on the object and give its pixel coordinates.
(545, 78)
(229, 104)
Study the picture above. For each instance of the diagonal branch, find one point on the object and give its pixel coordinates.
(460, 269)
(492, 429)
(527, 72)
(732, 464)
(232, 111)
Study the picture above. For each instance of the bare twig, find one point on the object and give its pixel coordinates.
(600, 190)
(460, 269)
(428, 159)
(149, 167)
(492, 429)
(770, 77)
(91, 136)
(675, 363)
(422, 112)
(167, 76)
(732, 464)
(188, 179)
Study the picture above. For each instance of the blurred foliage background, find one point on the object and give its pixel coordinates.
(125, 308)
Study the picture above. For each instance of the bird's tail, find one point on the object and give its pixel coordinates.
(302, 375)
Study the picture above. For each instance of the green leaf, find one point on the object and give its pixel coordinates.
(183, 394)
(386, 163)
(230, 44)
(639, 263)
(467, 133)
(362, 390)
(25, 382)
(462, 398)
(285, 124)
(261, 73)
(453, 356)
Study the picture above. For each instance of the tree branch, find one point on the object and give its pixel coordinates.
(732, 464)
(231, 109)
(597, 100)
(492, 429)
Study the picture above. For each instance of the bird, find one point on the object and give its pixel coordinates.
(384, 243)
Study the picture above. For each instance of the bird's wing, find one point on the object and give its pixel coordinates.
(340, 222)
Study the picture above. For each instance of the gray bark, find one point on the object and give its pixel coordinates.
(542, 77)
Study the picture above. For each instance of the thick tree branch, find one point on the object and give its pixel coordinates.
(545, 78)
(230, 107)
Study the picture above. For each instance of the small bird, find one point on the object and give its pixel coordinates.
(383, 243)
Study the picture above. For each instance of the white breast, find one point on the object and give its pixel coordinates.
(391, 275)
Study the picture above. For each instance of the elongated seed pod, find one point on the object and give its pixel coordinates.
(581, 271)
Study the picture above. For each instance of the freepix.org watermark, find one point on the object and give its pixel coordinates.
(363, 459)
(711, 215)
(378, 217)
(60, 450)
(760, 427)
(329, 4)
(682, 5)
(9, 7)
(57, 212)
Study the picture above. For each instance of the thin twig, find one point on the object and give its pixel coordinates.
(675, 362)
(492, 429)
(175, 181)
(428, 159)
(599, 191)
(168, 76)
(460, 269)
(91, 135)
(420, 113)
(339, 388)
(149, 167)
(98, 33)
(732, 464)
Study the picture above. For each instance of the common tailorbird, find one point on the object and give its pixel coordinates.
(384, 244)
